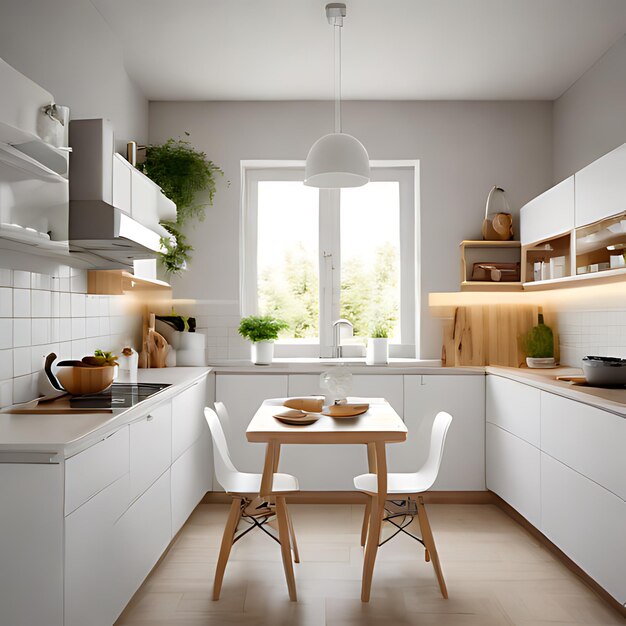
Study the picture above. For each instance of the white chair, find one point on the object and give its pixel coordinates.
(222, 413)
(244, 489)
(411, 485)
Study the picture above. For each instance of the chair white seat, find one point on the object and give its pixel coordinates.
(396, 483)
(243, 482)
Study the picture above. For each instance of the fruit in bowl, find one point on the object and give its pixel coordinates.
(92, 374)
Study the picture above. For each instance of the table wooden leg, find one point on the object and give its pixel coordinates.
(267, 479)
(371, 458)
(366, 520)
(285, 547)
(376, 518)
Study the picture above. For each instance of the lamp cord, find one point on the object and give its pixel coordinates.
(337, 54)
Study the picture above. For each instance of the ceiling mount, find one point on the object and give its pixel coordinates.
(335, 12)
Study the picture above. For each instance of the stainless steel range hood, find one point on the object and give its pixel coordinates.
(101, 221)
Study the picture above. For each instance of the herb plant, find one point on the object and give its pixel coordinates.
(380, 330)
(539, 342)
(261, 328)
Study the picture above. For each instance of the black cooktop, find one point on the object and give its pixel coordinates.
(117, 396)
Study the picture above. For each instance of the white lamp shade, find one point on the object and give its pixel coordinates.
(337, 160)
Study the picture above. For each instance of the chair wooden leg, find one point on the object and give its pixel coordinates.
(227, 541)
(285, 548)
(292, 534)
(431, 549)
(366, 521)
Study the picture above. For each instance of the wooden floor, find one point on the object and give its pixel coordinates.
(495, 571)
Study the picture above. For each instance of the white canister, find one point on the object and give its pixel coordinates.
(128, 362)
(377, 351)
(262, 352)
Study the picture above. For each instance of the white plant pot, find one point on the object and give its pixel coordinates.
(262, 352)
(377, 351)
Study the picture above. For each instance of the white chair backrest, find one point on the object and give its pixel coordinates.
(225, 471)
(222, 413)
(430, 469)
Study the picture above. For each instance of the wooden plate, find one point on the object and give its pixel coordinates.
(309, 405)
(296, 418)
(346, 410)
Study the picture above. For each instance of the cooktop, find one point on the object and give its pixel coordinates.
(117, 396)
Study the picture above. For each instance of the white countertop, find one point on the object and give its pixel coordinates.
(67, 434)
(613, 400)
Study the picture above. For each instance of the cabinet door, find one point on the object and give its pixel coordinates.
(95, 570)
(513, 472)
(146, 529)
(601, 188)
(463, 464)
(587, 522)
(144, 195)
(548, 215)
(191, 479)
(188, 421)
(243, 394)
(588, 440)
(122, 171)
(150, 448)
(31, 544)
(514, 407)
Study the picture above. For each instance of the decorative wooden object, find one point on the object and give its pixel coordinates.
(154, 347)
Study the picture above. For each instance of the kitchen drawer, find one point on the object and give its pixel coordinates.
(515, 407)
(587, 522)
(92, 470)
(95, 559)
(150, 448)
(191, 479)
(188, 421)
(513, 472)
(589, 440)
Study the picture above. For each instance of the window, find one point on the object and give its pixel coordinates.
(312, 256)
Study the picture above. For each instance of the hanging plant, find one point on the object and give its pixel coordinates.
(182, 172)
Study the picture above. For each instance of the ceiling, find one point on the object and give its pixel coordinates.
(392, 49)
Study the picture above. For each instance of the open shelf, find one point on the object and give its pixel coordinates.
(118, 282)
(485, 285)
(499, 254)
(597, 278)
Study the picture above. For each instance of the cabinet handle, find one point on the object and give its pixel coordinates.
(149, 418)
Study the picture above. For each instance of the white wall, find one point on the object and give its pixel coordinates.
(590, 117)
(66, 47)
(464, 149)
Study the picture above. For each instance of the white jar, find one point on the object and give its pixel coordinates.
(377, 351)
(262, 352)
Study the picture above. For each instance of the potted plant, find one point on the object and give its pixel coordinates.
(262, 331)
(182, 172)
(378, 344)
(539, 346)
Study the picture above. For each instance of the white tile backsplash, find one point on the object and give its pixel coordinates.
(42, 313)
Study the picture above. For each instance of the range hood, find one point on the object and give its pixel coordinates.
(106, 217)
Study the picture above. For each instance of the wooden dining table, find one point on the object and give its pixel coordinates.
(375, 428)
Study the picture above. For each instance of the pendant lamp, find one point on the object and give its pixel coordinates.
(337, 159)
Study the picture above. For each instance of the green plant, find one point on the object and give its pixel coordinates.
(381, 329)
(539, 342)
(261, 328)
(100, 358)
(183, 173)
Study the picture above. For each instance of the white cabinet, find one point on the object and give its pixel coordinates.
(191, 479)
(548, 215)
(92, 470)
(601, 188)
(150, 448)
(95, 570)
(514, 407)
(243, 394)
(463, 464)
(589, 440)
(31, 544)
(513, 472)
(149, 204)
(587, 522)
(188, 417)
(122, 174)
(146, 529)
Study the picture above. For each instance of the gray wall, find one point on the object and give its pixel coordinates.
(66, 47)
(464, 148)
(590, 117)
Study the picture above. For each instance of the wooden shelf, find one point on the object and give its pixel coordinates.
(480, 285)
(118, 282)
(595, 278)
(481, 243)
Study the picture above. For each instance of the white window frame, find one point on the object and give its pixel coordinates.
(404, 171)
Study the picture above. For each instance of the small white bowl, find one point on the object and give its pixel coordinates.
(540, 363)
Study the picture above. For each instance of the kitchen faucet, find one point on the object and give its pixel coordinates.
(337, 351)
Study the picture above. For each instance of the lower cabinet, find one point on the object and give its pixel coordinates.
(587, 522)
(513, 472)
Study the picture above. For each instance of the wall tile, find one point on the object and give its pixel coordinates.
(78, 305)
(6, 393)
(6, 278)
(92, 327)
(6, 364)
(78, 281)
(21, 279)
(22, 361)
(65, 329)
(41, 331)
(6, 333)
(22, 332)
(41, 303)
(64, 304)
(78, 328)
(21, 303)
(6, 302)
(24, 388)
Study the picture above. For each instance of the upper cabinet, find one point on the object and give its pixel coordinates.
(601, 188)
(548, 215)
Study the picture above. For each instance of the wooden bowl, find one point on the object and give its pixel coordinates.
(309, 405)
(80, 381)
(346, 410)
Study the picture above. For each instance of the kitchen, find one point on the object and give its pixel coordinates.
(117, 514)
